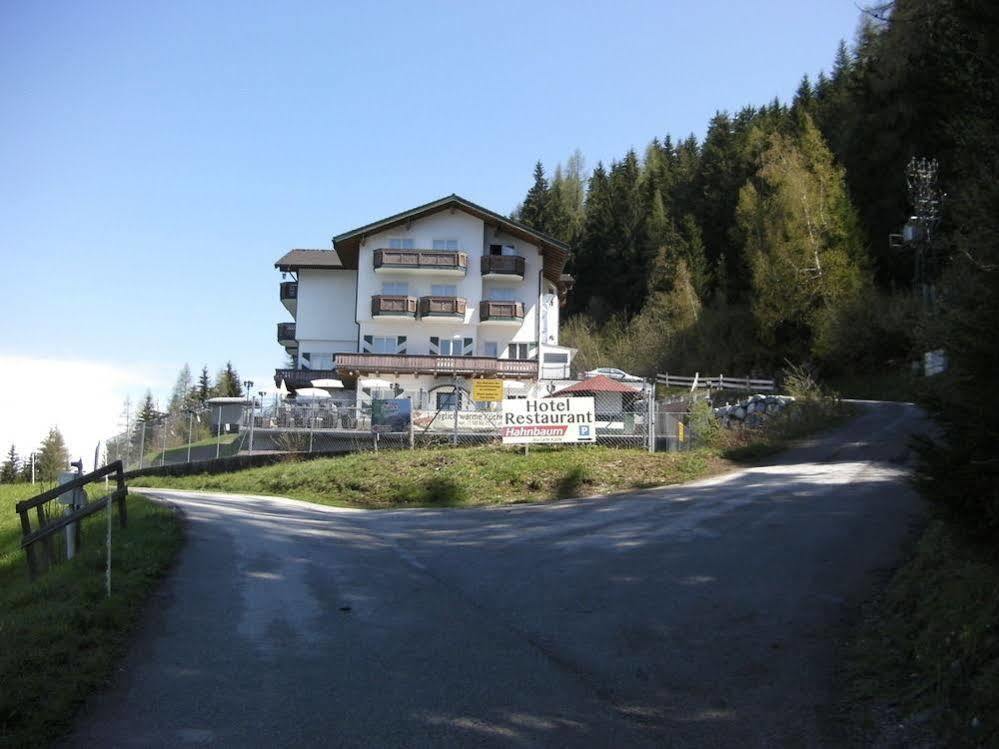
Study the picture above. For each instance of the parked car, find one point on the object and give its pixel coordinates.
(614, 374)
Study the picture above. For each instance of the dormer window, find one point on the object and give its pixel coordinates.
(399, 243)
(445, 244)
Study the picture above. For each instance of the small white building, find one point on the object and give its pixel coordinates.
(432, 296)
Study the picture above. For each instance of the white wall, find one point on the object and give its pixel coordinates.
(325, 316)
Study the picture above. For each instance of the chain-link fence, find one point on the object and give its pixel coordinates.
(344, 422)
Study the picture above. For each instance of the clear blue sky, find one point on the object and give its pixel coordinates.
(158, 157)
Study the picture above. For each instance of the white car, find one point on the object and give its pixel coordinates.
(614, 374)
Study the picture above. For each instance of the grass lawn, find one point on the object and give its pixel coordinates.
(457, 476)
(229, 442)
(61, 635)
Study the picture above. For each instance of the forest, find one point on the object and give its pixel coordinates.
(767, 243)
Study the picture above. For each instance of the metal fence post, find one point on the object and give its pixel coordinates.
(163, 445)
(218, 439)
(190, 431)
(142, 444)
(312, 428)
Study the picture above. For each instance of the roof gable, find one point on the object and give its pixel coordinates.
(554, 251)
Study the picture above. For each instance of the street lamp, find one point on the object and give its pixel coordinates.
(248, 384)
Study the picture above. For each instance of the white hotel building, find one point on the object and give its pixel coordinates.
(445, 292)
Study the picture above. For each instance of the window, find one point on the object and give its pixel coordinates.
(519, 350)
(383, 345)
(320, 361)
(443, 289)
(502, 295)
(445, 244)
(490, 349)
(401, 244)
(395, 288)
(448, 401)
(503, 249)
(450, 347)
(556, 358)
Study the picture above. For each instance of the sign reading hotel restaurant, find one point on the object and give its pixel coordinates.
(487, 391)
(552, 420)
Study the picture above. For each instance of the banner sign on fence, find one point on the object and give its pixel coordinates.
(468, 421)
(390, 414)
(487, 391)
(551, 420)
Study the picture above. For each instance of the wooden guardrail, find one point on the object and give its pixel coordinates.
(48, 525)
(721, 382)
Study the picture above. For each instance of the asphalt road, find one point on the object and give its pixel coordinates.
(708, 614)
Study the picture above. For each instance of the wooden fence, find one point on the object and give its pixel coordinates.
(49, 524)
(721, 382)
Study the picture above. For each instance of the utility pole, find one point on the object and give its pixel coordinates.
(926, 199)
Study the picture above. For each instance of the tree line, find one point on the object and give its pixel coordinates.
(767, 241)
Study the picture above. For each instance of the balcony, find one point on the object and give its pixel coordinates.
(421, 262)
(301, 378)
(503, 267)
(286, 334)
(289, 296)
(502, 313)
(353, 365)
(446, 308)
(384, 305)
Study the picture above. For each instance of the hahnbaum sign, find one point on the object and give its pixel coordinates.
(550, 420)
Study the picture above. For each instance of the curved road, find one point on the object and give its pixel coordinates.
(707, 614)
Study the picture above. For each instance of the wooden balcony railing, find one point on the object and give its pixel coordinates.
(397, 306)
(429, 260)
(503, 265)
(506, 311)
(354, 364)
(301, 378)
(286, 333)
(442, 306)
(289, 290)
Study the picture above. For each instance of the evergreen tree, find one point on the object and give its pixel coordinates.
(534, 209)
(181, 395)
(147, 411)
(10, 470)
(53, 456)
(227, 382)
(204, 385)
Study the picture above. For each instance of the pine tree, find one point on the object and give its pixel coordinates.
(180, 396)
(53, 456)
(147, 411)
(227, 383)
(10, 470)
(204, 385)
(534, 210)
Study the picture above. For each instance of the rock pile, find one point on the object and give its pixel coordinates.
(752, 411)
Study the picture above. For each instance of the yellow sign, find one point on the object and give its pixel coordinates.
(679, 431)
(487, 391)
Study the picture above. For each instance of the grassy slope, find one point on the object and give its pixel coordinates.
(229, 442)
(61, 635)
(462, 476)
(929, 647)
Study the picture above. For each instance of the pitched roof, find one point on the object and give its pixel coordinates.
(555, 251)
(598, 384)
(296, 259)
